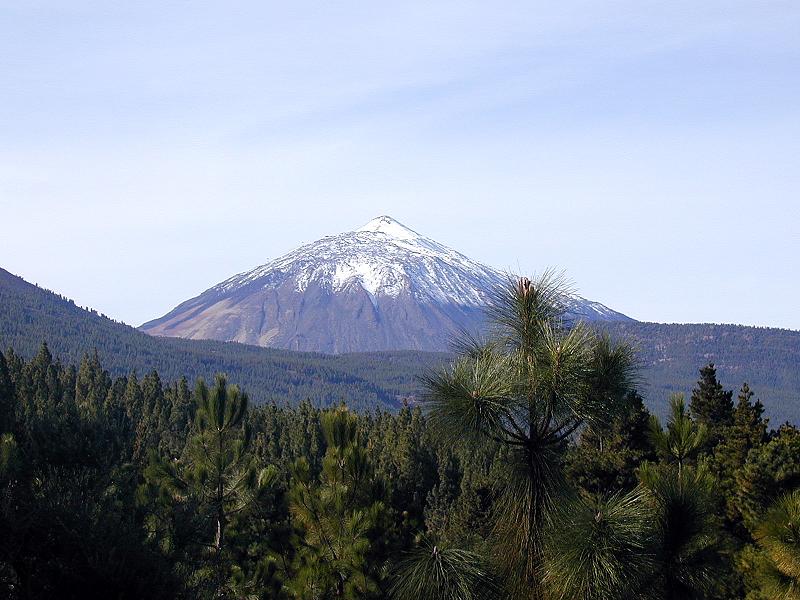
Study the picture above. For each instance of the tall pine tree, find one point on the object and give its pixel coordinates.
(217, 479)
(748, 432)
(711, 405)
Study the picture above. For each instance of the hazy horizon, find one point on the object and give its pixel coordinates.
(649, 150)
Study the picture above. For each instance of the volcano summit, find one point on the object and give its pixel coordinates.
(381, 287)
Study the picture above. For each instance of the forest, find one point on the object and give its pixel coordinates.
(30, 315)
(529, 468)
(669, 356)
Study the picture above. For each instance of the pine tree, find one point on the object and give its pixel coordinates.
(711, 405)
(607, 455)
(432, 572)
(748, 432)
(683, 439)
(439, 505)
(181, 414)
(336, 516)
(68, 378)
(40, 378)
(601, 548)
(66, 508)
(217, 476)
(682, 493)
(776, 571)
(153, 418)
(133, 399)
(529, 388)
(688, 540)
(770, 470)
(91, 384)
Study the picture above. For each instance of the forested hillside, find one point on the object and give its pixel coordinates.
(767, 359)
(30, 315)
(670, 355)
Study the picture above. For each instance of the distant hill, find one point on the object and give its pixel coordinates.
(30, 315)
(768, 359)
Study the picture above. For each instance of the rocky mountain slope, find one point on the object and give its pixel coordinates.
(380, 287)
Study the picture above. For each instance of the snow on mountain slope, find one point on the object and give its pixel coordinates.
(380, 287)
(384, 258)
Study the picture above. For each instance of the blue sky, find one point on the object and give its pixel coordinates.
(651, 149)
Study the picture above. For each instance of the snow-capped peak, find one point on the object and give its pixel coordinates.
(391, 227)
(386, 259)
(382, 286)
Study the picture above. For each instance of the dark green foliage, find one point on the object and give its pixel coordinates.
(433, 573)
(336, 516)
(670, 354)
(747, 433)
(777, 564)
(711, 405)
(688, 560)
(770, 470)
(682, 440)
(459, 508)
(749, 423)
(600, 549)
(689, 540)
(531, 465)
(30, 315)
(607, 455)
(214, 483)
(6, 397)
(70, 527)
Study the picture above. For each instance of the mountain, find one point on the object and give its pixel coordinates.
(670, 355)
(30, 315)
(380, 287)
